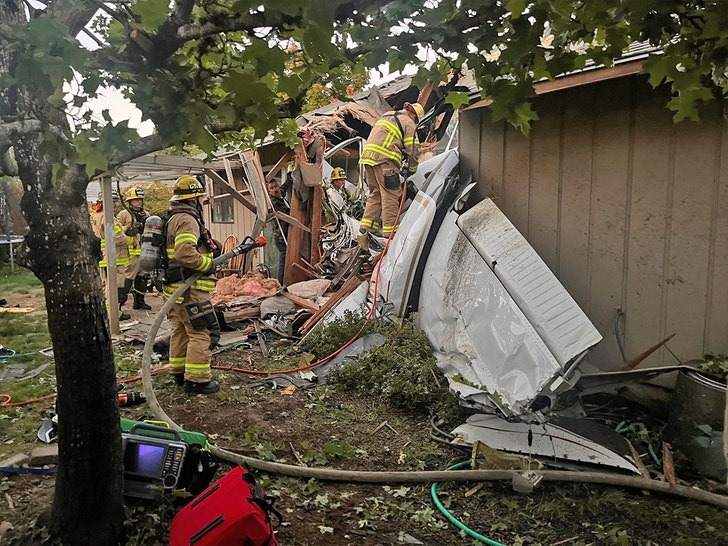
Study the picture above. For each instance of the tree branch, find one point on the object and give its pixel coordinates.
(8, 166)
(247, 22)
(252, 21)
(182, 13)
(153, 143)
(138, 148)
(14, 128)
(74, 14)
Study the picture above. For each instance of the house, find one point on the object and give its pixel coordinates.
(627, 208)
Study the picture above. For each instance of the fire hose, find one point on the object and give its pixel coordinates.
(352, 476)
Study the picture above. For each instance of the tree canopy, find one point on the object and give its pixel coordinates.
(200, 70)
(214, 73)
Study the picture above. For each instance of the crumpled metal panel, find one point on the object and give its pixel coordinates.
(398, 268)
(549, 440)
(561, 324)
(484, 344)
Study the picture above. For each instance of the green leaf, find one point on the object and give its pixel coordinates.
(516, 7)
(457, 99)
(152, 13)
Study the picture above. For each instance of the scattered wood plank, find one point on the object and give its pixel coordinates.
(285, 158)
(350, 267)
(351, 284)
(304, 273)
(17, 309)
(317, 198)
(295, 241)
(301, 302)
(292, 221)
(242, 314)
(233, 191)
(261, 338)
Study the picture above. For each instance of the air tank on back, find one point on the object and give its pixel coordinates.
(152, 244)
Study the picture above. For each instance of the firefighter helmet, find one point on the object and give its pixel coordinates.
(134, 193)
(100, 197)
(338, 174)
(187, 187)
(417, 109)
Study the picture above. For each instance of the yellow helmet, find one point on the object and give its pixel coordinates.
(134, 193)
(187, 187)
(417, 108)
(338, 173)
(114, 195)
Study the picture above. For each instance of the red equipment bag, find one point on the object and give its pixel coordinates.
(233, 511)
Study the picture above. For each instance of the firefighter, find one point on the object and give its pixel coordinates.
(190, 250)
(280, 229)
(121, 244)
(132, 221)
(346, 189)
(392, 140)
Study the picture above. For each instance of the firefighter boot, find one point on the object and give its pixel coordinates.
(140, 287)
(123, 296)
(208, 387)
(139, 302)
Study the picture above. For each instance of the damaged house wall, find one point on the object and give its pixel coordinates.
(628, 209)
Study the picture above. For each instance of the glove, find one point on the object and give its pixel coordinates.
(410, 189)
(132, 232)
(406, 173)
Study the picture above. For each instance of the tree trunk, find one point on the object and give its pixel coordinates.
(60, 250)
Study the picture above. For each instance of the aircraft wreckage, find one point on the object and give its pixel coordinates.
(505, 332)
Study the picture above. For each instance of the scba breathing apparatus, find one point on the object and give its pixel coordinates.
(153, 256)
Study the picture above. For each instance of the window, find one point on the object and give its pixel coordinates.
(223, 208)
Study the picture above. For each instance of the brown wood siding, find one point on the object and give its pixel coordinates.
(243, 223)
(629, 210)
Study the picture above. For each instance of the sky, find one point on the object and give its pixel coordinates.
(121, 109)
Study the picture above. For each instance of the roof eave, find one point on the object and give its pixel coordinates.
(577, 79)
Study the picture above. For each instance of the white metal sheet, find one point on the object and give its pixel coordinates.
(548, 441)
(484, 342)
(561, 324)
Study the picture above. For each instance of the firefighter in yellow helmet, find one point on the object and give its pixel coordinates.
(190, 250)
(132, 221)
(121, 245)
(392, 140)
(342, 185)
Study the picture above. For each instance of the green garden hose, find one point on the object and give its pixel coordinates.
(452, 519)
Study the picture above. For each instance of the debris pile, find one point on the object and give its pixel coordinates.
(238, 298)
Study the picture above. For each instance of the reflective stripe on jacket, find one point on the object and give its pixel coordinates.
(120, 240)
(387, 143)
(185, 248)
(127, 221)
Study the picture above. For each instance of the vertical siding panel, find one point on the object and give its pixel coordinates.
(544, 181)
(578, 135)
(607, 219)
(687, 279)
(716, 338)
(469, 130)
(492, 137)
(650, 179)
(514, 198)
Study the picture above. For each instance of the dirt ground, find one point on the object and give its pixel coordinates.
(322, 427)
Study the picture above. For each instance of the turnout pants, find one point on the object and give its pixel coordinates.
(132, 270)
(189, 349)
(382, 202)
(120, 278)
